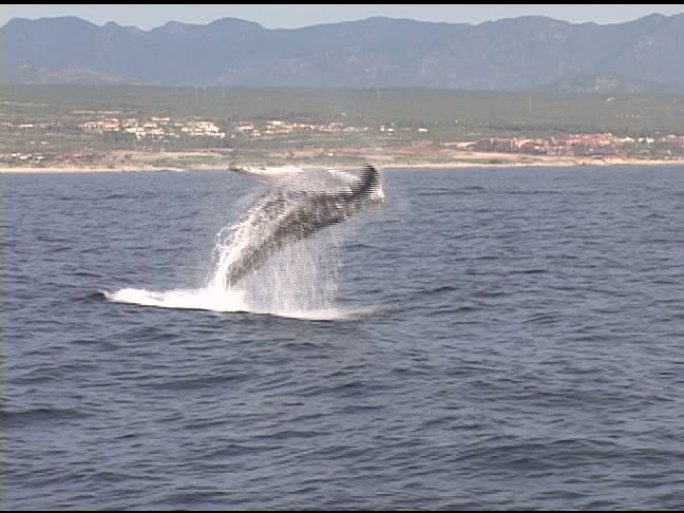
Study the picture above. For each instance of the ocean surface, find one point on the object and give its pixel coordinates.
(488, 339)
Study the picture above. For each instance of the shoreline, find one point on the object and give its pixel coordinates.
(476, 161)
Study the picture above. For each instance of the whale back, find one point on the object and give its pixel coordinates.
(296, 207)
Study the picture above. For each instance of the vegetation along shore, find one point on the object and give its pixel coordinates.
(52, 128)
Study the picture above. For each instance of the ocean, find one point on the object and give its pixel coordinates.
(487, 339)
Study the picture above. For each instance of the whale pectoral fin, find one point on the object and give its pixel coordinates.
(242, 170)
(261, 174)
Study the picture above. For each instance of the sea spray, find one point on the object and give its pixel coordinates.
(283, 255)
(295, 209)
(299, 277)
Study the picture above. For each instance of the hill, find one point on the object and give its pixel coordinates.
(522, 54)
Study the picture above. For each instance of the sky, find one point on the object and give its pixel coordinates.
(148, 16)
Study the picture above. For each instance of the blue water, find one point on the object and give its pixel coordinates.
(499, 339)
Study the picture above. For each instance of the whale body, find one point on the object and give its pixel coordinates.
(296, 207)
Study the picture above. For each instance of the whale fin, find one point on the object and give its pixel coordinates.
(266, 174)
(368, 181)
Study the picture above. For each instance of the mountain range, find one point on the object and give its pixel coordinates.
(529, 53)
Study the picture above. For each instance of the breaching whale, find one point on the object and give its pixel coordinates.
(296, 206)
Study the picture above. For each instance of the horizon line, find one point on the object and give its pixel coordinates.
(171, 22)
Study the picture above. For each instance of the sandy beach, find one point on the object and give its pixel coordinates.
(390, 159)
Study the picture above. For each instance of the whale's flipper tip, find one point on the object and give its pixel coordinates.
(238, 169)
(266, 173)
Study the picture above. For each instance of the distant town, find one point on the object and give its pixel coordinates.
(52, 127)
(165, 130)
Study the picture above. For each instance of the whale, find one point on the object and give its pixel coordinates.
(294, 207)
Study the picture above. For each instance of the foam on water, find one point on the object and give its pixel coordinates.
(195, 299)
(230, 301)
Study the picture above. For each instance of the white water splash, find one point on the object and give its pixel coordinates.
(196, 299)
(300, 280)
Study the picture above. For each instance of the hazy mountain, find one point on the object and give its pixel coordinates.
(609, 84)
(526, 53)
